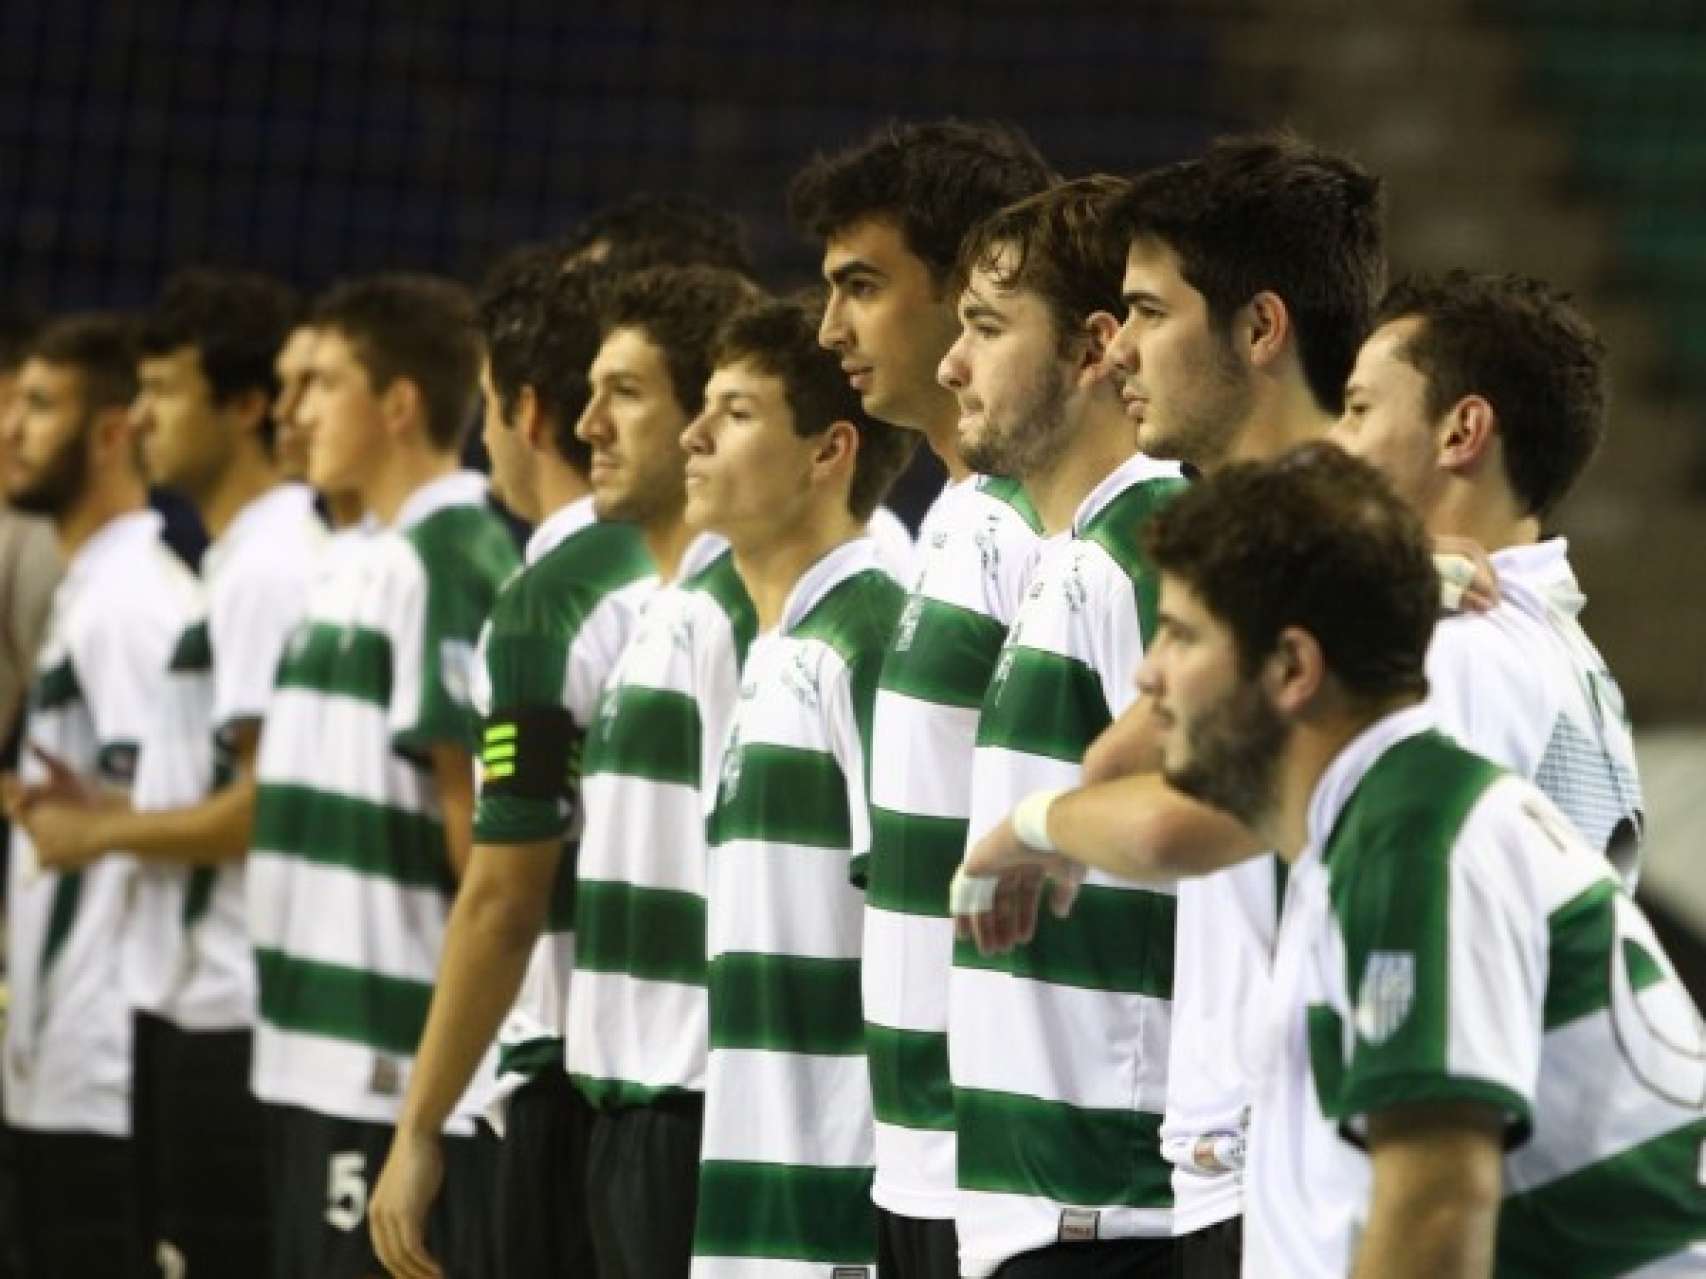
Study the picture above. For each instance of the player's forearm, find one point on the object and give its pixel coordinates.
(491, 933)
(1138, 827)
(211, 833)
(1446, 1235)
(1124, 747)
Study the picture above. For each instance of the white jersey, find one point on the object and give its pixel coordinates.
(975, 554)
(186, 953)
(1447, 937)
(1522, 684)
(122, 603)
(349, 882)
(636, 1003)
(895, 549)
(1058, 1050)
(785, 1174)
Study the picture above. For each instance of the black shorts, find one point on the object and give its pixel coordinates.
(541, 1181)
(1214, 1252)
(642, 1174)
(199, 1166)
(916, 1247)
(320, 1174)
(71, 1216)
(1098, 1259)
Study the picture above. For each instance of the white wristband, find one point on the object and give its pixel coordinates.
(1030, 819)
(1456, 575)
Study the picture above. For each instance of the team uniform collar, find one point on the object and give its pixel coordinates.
(459, 488)
(700, 554)
(1543, 571)
(1339, 782)
(557, 527)
(853, 556)
(1134, 470)
(113, 538)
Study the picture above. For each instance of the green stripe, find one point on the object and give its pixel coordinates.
(565, 890)
(784, 1003)
(616, 1094)
(62, 914)
(942, 654)
(721, 582)
(335, 830)
(1012, 493)
(1118, 940)
(909, 1078)
(1041, 703)
(339, 661)
(55, 687)
(655, 934)
(198, 895)
(1611, 1217)
(1118, 530)
(1578, 967)
(1017, 1145)
(651, 733)
(785, 795)
(913, 860)
(1326, 1037)
(785, 1211)
(385, 1013)
(193, 653)
(532, 1057)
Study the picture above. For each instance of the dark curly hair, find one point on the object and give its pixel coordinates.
(101, 347)
(779, 337)
(1524, 349)
(1269, 212)
(1315, 539)
(646, 230)
(935, 180)
(679, 309)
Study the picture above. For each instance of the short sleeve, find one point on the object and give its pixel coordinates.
(851, 708)
(1445, 965)
(436, 609)
(250, 620)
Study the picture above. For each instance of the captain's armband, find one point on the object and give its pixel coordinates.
(529, 752)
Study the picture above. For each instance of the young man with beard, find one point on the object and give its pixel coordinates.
(1249, 276)
(29, 555)
(1059, 1050)
(1482, 399)
(783, 463)
(1476, 1057)
(364, 813)
(891, 225)
(543, 656)
(635, 1037)
(205, 387)
(72, 457)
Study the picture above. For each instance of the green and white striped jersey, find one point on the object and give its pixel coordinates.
(785, 1175)
(1448, 937)
(636, 1005)
(115, 615)
(349, 880)
(554, 635)
(185, 943)
(1058, 1049)
(975, 551)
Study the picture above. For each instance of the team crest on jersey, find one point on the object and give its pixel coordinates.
(728, 780)
(1072, 589)
(800, 677)
(1387, 995)
(988, 548)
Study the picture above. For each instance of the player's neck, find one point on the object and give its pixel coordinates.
(1284, 417)
(942, 434)
(1102, 444)
(559, 485)
(771, 565)
(103, 502)
(1485, 514)
(1314, 744)
(408, 467)
(250, 474)
(666, 538)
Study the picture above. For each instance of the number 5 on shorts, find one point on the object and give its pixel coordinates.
(346, 1189)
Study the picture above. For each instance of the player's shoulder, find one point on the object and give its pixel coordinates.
(999, 503)
(1504, 657)
(1141, 489)
(462, 545)
(855, 617)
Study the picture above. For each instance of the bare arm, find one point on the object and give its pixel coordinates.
(1124, 747)
(453, 774)
(1435, 1205)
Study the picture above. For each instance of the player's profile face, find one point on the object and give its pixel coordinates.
(1184, 387)
(185, 444)
(1386, 422)
(633, 423)
(47, 440)
(887, 320)
(290, 441)
(1220, 736)
(1008, 374)
(748, 473)
(342, 417)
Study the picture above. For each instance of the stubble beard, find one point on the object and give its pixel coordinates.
(1031, 438)
(1235, 749)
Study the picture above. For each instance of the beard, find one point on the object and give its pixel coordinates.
(1029, 437)
(1203, 431)
(1235, 748)
(59, 484)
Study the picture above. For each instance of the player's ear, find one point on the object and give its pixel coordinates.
(1294, 671)
(1467, 433)
(1269, 321)
(837, 449)
(1100, 329)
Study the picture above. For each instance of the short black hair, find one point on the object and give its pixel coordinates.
(935, 180)
(1315, 539)
(1529, 353)
(101, 347)
(1269, 212)
(19, 324)
(679, 309)
(540, 323)
(646, 230)
(1060, 249)
(419, 327)
(779, 337)
(236, 321)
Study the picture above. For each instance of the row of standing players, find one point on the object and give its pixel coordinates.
(727, 767)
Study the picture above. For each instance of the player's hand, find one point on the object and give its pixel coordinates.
(402, 1198)
(1468, 583)
(59, 782)
(62, 832)
(1001, 851)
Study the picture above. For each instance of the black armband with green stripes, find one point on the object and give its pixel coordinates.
(528, 752)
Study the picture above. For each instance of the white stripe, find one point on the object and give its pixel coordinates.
(897, 945)
(333, 915)
(632, 826)
(793, 900)
(331, 1077)
(649, 1033)
(343, 746)
(788, 1108)
(931, 775)
(925, 1162)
